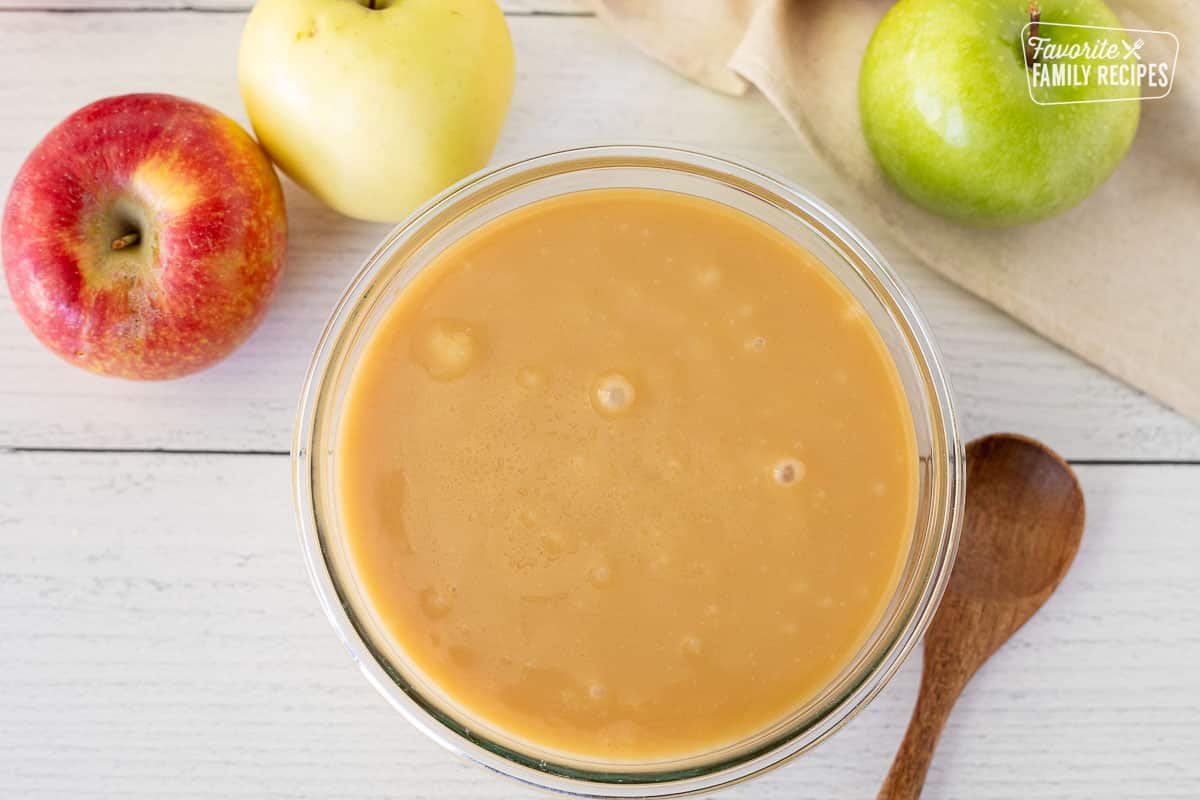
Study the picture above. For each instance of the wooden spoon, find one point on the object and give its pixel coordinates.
(1022, 525)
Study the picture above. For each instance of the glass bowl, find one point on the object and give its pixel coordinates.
(464, 207)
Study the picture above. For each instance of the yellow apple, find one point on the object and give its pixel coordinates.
(377, 106)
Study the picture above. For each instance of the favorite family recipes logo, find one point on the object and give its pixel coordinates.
(1090, 64)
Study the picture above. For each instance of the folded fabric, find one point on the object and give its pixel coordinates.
(1116, 280)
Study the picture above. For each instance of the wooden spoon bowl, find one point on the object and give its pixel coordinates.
(1022, 526)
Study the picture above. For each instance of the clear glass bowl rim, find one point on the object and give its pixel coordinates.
(948, 467)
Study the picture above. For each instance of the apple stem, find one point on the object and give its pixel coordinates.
(128, 240)
(1035, 17)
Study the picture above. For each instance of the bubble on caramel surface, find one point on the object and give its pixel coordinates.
(446, 348)
(691, 645)
(788, 471)
(434, 603)
(600, 575)
(756, 344)
(708, 277)
(613, 394)
(531, 378)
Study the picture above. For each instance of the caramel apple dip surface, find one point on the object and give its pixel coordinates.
(627, 475)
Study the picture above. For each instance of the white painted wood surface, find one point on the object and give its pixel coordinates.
(157, 634)
(159, 638)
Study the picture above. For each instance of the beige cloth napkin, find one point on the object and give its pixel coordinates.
(1116, 280)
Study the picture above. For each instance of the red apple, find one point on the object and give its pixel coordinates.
(144, 237)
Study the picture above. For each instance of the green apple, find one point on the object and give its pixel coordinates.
(376, 106)
(947, 111)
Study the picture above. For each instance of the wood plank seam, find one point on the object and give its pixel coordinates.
(154, 451)
(1075, 462)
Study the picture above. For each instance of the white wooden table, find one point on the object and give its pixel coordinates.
(158, 637)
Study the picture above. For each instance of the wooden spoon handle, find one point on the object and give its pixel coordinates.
(939, 690)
